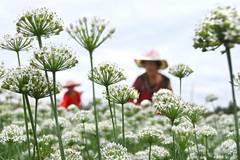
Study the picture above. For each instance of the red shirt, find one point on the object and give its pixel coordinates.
(146, 90)
(71, 98)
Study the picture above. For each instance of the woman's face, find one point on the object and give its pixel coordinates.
(150, 66)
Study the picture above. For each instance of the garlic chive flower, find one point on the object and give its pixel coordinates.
(167, 104)
(221, 26)
(39, 22)
(121, 94)
(20, 79)
(114, 151)
(106, 74)
(150, 135)
(70, 154)
(39, 87)
(194, 112)
(180, 70)
(16, 42)
(53, 58)
(159, 153)
(90, 33)
(82, 116)
(12, 134)
(206, 131)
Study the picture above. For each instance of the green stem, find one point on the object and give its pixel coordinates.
(19, 62)
(26, 124)
(150, 150)
(56, 118)
(85, 140)
(180, 85)
(111, 112)
(206, 144)
(234, 99)
(123, 126)
(196, 142)
(35, 118)
(95, 109)
(39, 41)
(114, 113)
(33, 127)
(173, 144)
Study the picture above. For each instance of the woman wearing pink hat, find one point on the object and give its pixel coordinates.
(152, 80)
(71, 96)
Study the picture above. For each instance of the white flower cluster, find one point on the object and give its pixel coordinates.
(121, 94)
(206, 131)
(114, 151)
(12, 134)
(194, 112)
(226, 150)
(19, 79)
(39, 22)
(63, 123)
(53, 58)
(221, 26)
(159, 152)
(168, 104)
(16, 42)
(90, 33)
(180, 70)
(82, 116)
(150, 135)
(184, 128)
(106, 74)
(70, 154)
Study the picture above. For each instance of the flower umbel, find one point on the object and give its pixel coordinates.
(20, 79)
(114, 151)
(168, 104)
(121, 94)
(90, 33)
(180, 70)
(16, 42)
(106, 74)
(53, 58)
(221, 26)
(39, 22)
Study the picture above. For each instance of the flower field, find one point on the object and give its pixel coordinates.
(166, 128)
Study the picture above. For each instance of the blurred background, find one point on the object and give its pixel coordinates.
(141, 25)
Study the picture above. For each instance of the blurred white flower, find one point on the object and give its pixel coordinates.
(12, 134)
(180, 70)
(114, 151)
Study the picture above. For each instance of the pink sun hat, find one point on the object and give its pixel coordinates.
(151, 55)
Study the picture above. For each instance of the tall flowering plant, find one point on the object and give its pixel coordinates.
(107, 74)
(221, 28)
(17, 43)
(40, 23)
(90, 34)
(180, 71)
(54, 58)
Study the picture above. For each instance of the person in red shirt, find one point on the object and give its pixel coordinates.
(151, 80)
(71, 96)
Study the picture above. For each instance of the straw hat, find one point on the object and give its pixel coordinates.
(70, 84)
(151, 55)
